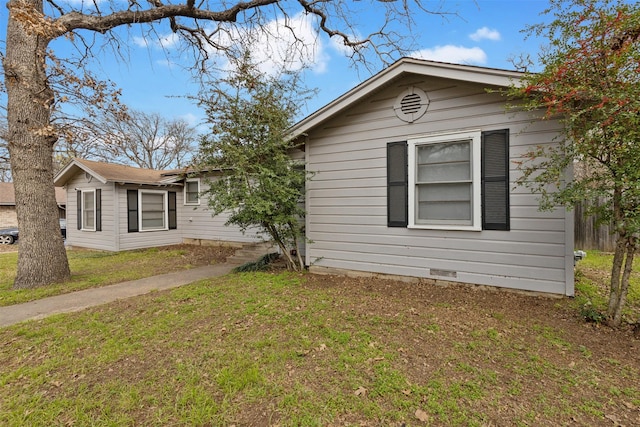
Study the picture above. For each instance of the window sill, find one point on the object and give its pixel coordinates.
(444, 227)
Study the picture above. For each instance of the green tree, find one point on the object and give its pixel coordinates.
(258, 182)
(205, 28)
(591, 82)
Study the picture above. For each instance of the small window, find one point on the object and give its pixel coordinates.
(444, 181)
(88, 210)
(153, 210)
(192, 192)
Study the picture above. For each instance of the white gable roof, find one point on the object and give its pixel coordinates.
(491, 77)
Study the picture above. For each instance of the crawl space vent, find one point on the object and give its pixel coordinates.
(411, 104)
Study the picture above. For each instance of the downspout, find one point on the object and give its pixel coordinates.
(307, 212)
(569, 256)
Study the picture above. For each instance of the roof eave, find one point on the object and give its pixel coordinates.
(490, 77)
(71, 170)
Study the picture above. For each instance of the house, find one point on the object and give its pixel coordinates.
(8, 216)
(114, 207)
(414, 175)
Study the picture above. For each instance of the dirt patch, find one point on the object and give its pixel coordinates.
(9, 248)
(200, 255)
(542, 330)
(516, 359)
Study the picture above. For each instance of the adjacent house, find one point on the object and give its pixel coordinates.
(8, 217)
(114, 207)
(414, 173)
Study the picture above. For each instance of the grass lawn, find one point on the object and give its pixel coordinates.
(592, 287)
(283, 349)
(100, 268)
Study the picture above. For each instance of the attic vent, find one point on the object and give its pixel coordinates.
(411, 104)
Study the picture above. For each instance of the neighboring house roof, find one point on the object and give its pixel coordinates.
(108, 172)
(8, 195)
(491, 77)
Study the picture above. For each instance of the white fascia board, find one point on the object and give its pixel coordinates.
(472, 74)
(71, 169)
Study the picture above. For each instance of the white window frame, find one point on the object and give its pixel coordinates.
(474, 137)
(186, 202)
(165, 203)
(85, 227)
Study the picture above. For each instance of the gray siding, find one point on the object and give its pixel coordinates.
(103, 240)
(346, 198)
(193, 222)
(143, 239)
(197, 222)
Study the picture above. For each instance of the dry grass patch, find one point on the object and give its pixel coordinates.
(303, 350)
(91, 268)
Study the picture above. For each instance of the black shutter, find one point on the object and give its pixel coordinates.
(98, 209)
(397, 185)
(79, 209)
(132, 210)
(173, 217)
(495, 180)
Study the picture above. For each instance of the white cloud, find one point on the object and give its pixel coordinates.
(289, 43)
(453, 54)
(485, 33)
(167, 41)
(337, 44)
(191, 119)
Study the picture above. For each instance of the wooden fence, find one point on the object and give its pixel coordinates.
(588, 236)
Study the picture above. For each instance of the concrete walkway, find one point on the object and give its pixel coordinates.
(76, 301)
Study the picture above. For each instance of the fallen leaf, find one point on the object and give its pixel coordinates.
(361, 391)
(421, 415)
(322, 347)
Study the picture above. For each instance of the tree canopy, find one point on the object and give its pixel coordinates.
(204, 28)
(591, 81)
(257, 180)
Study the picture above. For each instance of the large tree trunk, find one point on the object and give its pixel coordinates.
(626, 246)
(620, 274)
(42, 258)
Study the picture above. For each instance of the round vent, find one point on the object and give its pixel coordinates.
(411, 104)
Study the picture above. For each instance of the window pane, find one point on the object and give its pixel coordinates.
(449, 161)
(439, 202)
(152, 201)
(152, 215)
(444, 152)
(88, 211)
(191, 189)
(152, 222)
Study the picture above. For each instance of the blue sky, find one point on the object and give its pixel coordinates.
(484, 32)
